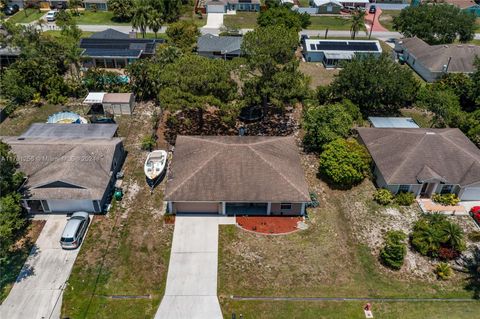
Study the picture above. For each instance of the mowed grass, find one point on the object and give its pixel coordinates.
(329, 22)
(241, 20)
(99, 17)
(30, 16)
(386, 18)
(326, 260)
(126, 252)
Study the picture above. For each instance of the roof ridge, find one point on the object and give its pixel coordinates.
(236, 144)
(194, 173)
(276, 171)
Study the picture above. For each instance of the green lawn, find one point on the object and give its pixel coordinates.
(31, 15)
(127, 251)
(329, 22)
(99, 17)
(328, 260)
(241, 20)
(419, 116)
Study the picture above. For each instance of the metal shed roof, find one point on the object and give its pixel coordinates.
(94, 98)
(393, 122)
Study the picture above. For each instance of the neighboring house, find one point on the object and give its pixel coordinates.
(393, 122)
(466, 5)
(223, 47)
(235, 175)
(344, 3)
(424, 161)
(112, 103)
(68, 167)
(222, 6)
(332, 52)
(115, 49)
(327, 6)
(433, 61)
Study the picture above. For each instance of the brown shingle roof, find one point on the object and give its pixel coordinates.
(236, 168)
(434, 57)
(410, 156)
(86, 163)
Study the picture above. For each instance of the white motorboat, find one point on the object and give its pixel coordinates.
(155, 166)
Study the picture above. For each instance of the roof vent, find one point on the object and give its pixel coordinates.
(21, 138)
(430, 133)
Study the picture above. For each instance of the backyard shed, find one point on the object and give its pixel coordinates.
(118, 103)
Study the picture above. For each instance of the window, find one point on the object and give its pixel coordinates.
(404, 188)
(446, 189)
(285, 206)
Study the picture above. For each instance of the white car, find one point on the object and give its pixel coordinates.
(51, 15)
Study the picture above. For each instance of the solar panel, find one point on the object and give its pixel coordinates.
(344, 46)
(312, 46)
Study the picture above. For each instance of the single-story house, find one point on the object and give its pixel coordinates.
(393, 122)
(343, 3)
(115, 49)
(327, 6)
(433, 61)
(222, 6)
(332, 52)
(65, 171)
(220, 47)
(424, 161)
(112, 103)
(236, 175)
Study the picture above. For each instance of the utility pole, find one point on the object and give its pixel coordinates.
(373, 22)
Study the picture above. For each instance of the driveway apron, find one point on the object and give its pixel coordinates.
(191, 290)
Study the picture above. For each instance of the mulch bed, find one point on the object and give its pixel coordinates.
(269, 224)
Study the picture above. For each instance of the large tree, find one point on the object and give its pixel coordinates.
(183, 34)
(376, 85)
(122, 9)
(436, 24)
(283, 16)
(443, 103)
(141, 16)
(273, 76)
(323, 124)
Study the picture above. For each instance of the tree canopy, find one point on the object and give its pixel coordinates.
(285, 17)
(273, 75)
(344, 163)
(183, 34)
(436, 24)
(377, 85)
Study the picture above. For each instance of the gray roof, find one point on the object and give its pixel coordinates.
(397, 122)
(236, 168)
(416, 155)
(70, 131)
(59, 168)
(213, 43)
(434, 57)
(109, 34)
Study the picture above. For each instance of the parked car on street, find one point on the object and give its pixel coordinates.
(51, 15)
(475, 213)
(74, 230)
(11, 10)
(372, 9)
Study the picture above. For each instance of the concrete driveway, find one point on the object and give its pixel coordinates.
(38, 291)
(191, 290)
(214, 21)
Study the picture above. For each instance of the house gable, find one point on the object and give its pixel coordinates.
(59, 184)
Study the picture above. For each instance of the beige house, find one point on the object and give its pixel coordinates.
(236, 175)
(424, 161)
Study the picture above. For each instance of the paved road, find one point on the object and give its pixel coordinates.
(38, 291)
(191, 290)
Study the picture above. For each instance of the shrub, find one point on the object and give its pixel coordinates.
(148, 143)
(344, 163)
(443, 271)
(393, 253)
(474, 236)
(446, 199)
(383, 196)
(405, 198)
(434, 235)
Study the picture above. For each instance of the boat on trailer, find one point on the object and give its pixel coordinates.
(155, 166)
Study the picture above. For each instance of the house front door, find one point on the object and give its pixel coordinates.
(427, 190)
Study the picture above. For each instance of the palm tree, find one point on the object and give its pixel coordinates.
(471, 266)
(452, 234)
(141, 16)
(155, 22)
(358, 22)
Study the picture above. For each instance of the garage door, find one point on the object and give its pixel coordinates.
(471, 193)
(215, 8)
(70, 205)
(197, 207)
